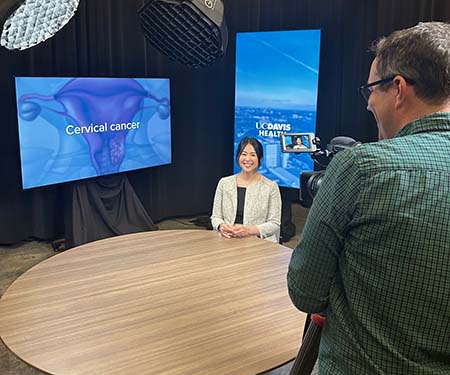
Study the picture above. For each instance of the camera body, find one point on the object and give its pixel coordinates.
(308, 143)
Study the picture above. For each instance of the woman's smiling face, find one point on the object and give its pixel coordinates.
(248, 159)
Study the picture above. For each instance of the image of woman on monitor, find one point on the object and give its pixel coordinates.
(298, 143)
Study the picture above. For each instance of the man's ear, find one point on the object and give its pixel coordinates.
(403, 90)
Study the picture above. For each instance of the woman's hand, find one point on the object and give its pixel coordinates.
(226, 230)
(238, 230)
(245, 230)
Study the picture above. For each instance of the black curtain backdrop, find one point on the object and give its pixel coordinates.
(102, 207)
(104, 39)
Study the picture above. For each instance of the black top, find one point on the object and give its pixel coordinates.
(240, 205)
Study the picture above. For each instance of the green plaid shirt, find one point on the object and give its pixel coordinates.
(375, 255)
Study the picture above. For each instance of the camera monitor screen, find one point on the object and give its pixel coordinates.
(277, 74)
(298, 142)
(75, 128)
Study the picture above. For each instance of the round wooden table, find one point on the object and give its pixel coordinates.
(164, 302)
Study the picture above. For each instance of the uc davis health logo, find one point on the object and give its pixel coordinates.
(271, 129)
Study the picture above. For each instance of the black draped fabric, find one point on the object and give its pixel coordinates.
(104, 39)
(103, 207)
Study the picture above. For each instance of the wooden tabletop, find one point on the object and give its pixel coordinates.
(164, 302)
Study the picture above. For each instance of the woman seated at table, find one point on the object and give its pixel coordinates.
(247, 204)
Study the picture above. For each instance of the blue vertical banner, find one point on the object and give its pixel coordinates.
(277, 75)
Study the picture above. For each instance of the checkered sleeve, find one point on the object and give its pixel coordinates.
(314, 262)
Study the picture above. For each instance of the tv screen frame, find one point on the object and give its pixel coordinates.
(276, 92)
(74, 128)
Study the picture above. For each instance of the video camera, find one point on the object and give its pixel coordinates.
(308, 143)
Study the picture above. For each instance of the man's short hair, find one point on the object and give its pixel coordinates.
(420, 54)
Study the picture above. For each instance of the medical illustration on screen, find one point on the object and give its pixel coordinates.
(277, 75)
(76, 128)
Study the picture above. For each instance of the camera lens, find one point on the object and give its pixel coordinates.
(314, 182)
(309, 186)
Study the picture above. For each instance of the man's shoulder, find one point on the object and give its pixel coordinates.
(394, 153)
(409, 152)
(376, 151)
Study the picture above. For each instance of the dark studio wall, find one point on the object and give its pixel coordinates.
(104, 39)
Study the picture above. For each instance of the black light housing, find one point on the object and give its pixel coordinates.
(192, 33)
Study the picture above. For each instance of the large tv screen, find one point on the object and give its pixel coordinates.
(277, 75)
(75, 128)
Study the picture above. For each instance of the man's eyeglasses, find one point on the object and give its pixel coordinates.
(367, 89)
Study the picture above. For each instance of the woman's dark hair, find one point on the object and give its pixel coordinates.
(256, 145)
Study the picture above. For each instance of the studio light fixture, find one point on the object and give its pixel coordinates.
(190, 32)
(31, 22)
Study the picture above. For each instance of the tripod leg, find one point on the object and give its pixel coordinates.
(309, 349)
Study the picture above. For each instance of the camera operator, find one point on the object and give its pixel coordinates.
(375, 252)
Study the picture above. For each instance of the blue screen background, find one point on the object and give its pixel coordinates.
(277, 76)
(52, 153)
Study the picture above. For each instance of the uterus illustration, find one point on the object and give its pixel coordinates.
(84, 103)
